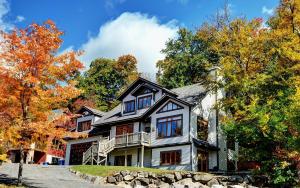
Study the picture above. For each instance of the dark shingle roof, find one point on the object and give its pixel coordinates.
(92, 110)
(189, 95)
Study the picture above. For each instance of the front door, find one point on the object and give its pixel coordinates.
(120, 160)
(202, 161)
(121, 131)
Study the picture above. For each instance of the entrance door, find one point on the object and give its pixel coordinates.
(123, 130)
(120, 160)
(202, 161)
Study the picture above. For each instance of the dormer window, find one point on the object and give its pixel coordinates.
(84, 126)
(129, 106)
(144, 102)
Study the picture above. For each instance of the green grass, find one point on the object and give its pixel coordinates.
(109, 170)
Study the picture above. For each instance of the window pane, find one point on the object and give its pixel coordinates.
(174, 126)
(169, 129)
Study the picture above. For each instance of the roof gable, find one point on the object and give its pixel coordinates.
(91, 111)
(138, 83)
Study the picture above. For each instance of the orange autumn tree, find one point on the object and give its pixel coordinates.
(34, 81)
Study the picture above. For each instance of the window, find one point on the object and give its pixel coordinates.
(84, 126)
(144, 102)
(169, 107)
(170, 157)
(169, 126)
(202, 128)
(129, 106)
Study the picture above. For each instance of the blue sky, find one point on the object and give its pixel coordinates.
(110, 28)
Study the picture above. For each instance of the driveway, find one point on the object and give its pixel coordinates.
(44, 176)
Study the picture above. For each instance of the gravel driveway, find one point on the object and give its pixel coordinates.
(44, 176)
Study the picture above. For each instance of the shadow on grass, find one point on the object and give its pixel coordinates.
(7, 180)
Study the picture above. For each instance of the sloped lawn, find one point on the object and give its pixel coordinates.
(109, 170)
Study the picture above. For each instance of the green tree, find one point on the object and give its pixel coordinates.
(260, 71)
(187, 60)
(106, 78)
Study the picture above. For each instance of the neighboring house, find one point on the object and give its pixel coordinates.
(51, 155)
(156, 127)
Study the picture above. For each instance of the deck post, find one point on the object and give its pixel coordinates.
(142, 157)
(125, 157)
(92, 156)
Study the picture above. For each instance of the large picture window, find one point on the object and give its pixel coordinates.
(129, 106)
(169, 126)
(144, 102)
(170, 157)
(84, 126)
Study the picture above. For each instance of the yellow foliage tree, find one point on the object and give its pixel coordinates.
(34, 81)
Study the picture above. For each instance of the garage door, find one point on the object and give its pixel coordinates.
(77, 151)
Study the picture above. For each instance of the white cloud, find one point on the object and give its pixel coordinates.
(4, 9)
(268, 11)
(20, 18)
(130, 33)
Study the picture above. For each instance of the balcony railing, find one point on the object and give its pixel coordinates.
(132, 139)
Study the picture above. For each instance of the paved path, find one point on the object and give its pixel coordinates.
(44, 177)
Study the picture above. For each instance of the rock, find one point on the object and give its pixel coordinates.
(123, 184)
(217, 186)
(238, 179)
(128, 177)
(212, 182)
(152, 175)
(111, 179)
(203, 178)
(164, 185)
(144, 181)
(186, 174)
(143, 174)
(235, 186)
(78, 173)
(136, 183)
(178, 176)
(119, 178)
(251, 186)
(98, 180)
(188, 182)
(124, 172)
(152, 186)
(134, 174)
(169, 178)
(249, 178)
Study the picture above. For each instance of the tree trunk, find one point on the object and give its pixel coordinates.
(20, 173)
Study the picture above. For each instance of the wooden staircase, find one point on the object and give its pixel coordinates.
(97, 153)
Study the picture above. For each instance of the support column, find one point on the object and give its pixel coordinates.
(142, 156)
(125, 158)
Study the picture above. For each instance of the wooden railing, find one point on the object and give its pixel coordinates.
(131, 139)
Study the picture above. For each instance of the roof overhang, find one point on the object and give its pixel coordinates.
(205, 145)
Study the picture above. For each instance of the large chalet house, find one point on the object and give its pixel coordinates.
(154, 127)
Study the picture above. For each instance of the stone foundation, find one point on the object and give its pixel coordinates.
(172, 179)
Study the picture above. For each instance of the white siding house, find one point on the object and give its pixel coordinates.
(159, 128)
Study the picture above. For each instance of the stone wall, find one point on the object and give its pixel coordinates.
(172, 179)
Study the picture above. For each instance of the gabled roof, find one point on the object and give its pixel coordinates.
(115, 115)
(188, 95)
(91, 110)
(139, 81)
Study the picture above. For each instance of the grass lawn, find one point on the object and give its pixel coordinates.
(109, 170)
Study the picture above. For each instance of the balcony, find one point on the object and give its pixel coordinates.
(132, 139)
